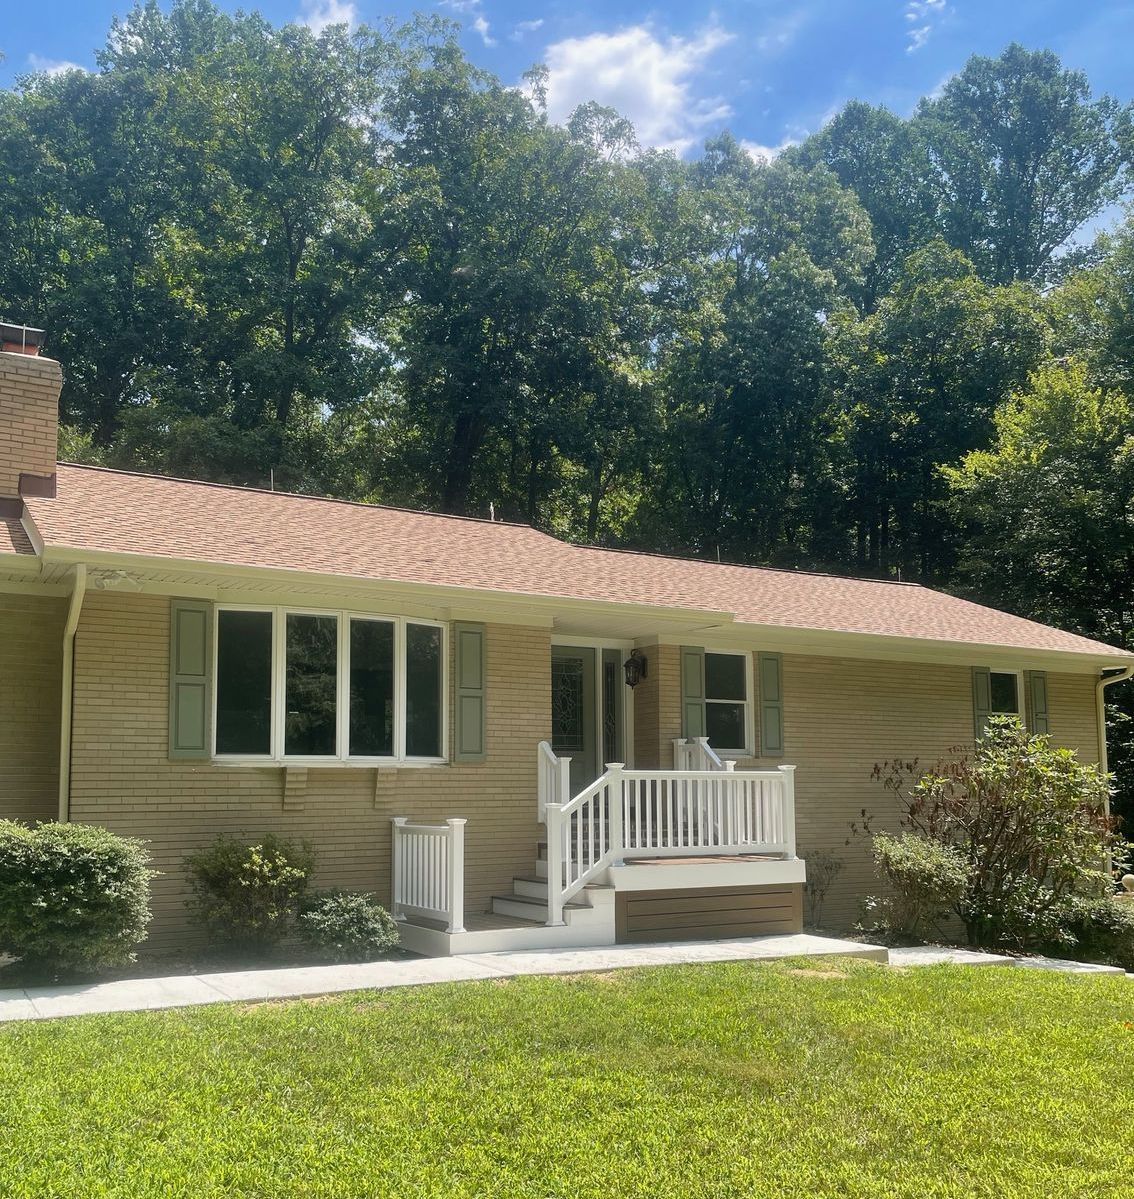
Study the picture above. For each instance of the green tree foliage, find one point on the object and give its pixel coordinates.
(353, 264)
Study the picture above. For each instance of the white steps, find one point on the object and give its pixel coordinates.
(528, 900)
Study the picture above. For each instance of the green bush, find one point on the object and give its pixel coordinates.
(1028, 819)
(1097, 930)
(248, 896)
(347, 926)
(73, 897)
(926, 878)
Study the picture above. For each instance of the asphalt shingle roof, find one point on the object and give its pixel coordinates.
(161, 518)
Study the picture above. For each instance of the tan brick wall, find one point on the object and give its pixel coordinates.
(29, 418)
(122, 777)
(841, 716)
(657, 708)
(31, 657)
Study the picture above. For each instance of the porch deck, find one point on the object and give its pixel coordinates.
(636, 854)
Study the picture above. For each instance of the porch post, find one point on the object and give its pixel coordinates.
(615, 799)
(788, 773)
(396, 866)
(553, 820)
(456, 879)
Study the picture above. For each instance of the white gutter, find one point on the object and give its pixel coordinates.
(78, 592)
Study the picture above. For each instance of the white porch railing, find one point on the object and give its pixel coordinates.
(695, 753)
(428, 871)
(554, 783)
(665, 813)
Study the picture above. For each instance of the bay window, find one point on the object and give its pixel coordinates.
(293, 685)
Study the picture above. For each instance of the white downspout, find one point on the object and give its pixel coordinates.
(78, 592)
(1105, 681)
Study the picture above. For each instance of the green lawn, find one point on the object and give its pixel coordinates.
(738, 1079)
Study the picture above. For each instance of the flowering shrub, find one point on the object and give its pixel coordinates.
(248, 896)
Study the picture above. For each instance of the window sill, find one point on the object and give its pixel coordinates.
(331, 763)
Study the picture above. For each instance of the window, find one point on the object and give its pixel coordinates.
(726, 702)
(244, 683)
(332, 686)
(1004, 692)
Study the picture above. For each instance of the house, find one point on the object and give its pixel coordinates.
(518, 741)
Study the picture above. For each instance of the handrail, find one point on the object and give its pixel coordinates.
(695, 753)
(554, 780)
(665, 813)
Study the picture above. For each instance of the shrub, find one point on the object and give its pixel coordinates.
(73, 897)
(1029, 820)
(347, 926)
(1097, 930)
(248, 896)
(926, 878)
(823, 867)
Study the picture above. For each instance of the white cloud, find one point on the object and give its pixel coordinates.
(318, 15)
(52, 66)
(647, 79)
(474, 9)
(482, 27)
(923, 17)
(523, 27)
(766, 154)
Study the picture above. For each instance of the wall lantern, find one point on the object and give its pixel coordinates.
(637, 667)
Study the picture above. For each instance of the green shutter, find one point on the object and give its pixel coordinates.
(1037, 700)
(692, 691)
(982, 700)
(190, 678)
(771, 672)
(471, 740)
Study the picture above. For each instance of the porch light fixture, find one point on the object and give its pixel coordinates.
(636, 668)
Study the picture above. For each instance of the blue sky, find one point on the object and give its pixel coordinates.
(770, 70)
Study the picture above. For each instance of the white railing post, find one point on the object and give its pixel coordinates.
(456, 874)
(563, 784)
(553, 819)
(614, 805)
(788, 773)
(397, 867)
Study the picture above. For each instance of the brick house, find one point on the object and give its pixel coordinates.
(514, 741)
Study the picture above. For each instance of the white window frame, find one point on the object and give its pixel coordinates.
(1019, 677)
(342, 755)
(748, 749)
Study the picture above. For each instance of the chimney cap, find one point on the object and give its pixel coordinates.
(21, 338)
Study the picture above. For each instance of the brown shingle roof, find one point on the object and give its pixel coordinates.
(13, 539)
(156, 517)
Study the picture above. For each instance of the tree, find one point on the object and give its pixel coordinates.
(916, 384)
(1022, 156)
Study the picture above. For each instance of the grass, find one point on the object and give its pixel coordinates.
(809, 1079)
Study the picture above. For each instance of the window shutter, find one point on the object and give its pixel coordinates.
(190, 678)
(692, 691)
(771, 704)
(471, 708)
(982, 700)
(1037, 700)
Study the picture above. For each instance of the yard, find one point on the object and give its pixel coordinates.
(802, 1078)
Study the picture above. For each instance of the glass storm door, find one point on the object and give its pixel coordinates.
(574, 724)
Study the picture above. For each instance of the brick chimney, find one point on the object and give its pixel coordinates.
(29, 417)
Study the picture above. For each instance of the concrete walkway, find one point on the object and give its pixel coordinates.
(189, 990)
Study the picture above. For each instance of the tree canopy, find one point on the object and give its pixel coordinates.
(354, 264)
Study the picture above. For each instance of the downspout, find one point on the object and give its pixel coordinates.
(1105, 680)
(78, 592)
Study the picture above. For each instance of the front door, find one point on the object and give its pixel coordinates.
(574, 722)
